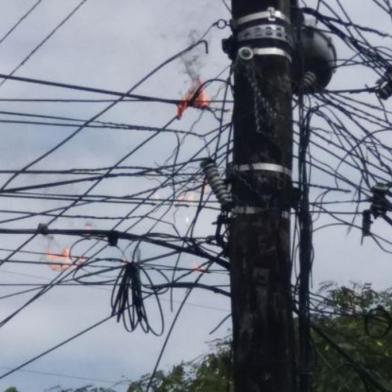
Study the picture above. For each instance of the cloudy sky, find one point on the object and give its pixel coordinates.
(112, 45)
(109, 46)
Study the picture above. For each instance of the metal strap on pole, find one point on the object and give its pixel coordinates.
(271, 14)
(262, 166)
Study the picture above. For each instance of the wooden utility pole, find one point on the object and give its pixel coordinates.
(261, 189)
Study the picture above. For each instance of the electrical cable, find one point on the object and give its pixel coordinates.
(45, 40)
(20, 20)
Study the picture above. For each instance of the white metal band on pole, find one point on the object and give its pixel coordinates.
(272, 167)
(271, 14)
(250, 210)
(247, 210)
(266, 31)
(271, 52)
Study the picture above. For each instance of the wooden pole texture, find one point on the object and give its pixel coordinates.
(259, 247)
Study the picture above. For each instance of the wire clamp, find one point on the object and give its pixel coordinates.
(379, 202)
(42, 229)
(113, 238)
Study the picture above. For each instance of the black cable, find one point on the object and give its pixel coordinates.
(82, 127)
(19, 21)
(155, 239)
(51, 349)
(46, 39)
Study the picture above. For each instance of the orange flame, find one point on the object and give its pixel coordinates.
(186, 196)
(64, 258)
(196, 97)
(197, 268)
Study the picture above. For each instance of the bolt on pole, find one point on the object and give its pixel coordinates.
(259, 249)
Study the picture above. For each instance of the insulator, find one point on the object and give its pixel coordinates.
(216, 183)
(309, 82)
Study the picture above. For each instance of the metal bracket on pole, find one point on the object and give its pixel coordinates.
(266, 33)
(246, 53)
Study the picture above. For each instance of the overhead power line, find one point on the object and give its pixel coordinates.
(123, 95)
(20, 20)
(46, 39)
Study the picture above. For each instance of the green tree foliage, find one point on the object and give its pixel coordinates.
(211, 373)
(357, 320)
(86, 388)
(58, 388)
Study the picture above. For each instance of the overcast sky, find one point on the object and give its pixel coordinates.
(112, 44)
(106, 45)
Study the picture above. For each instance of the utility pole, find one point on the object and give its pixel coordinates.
(259, 247)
